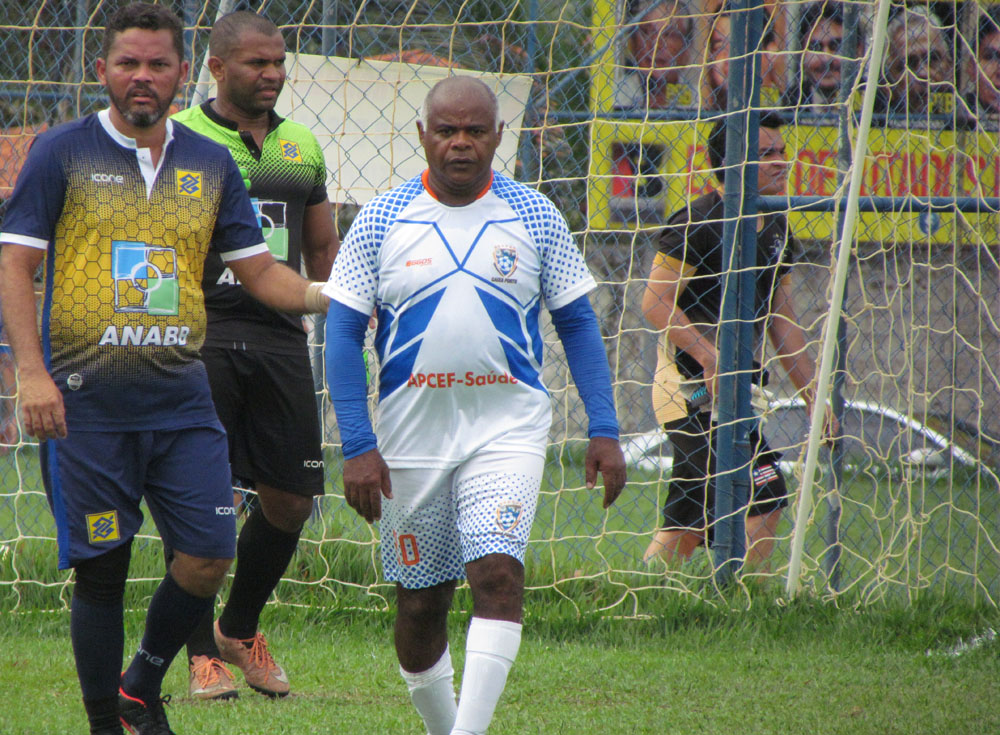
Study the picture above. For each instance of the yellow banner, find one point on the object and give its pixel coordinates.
(643, 171)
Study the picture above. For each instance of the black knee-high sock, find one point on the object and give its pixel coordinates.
(202, 640)
(97, 632)
(173, 613)
(98, 641)
(262, 556)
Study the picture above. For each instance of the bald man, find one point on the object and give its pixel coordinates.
(257, 358)
(457, 262)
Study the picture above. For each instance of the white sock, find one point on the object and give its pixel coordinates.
(433, 694)
(491, 648)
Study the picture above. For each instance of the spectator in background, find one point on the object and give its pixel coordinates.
(919, 73)
(984, 67)
(715, 75)
(658, 48)
(683, 301)
(821, 32)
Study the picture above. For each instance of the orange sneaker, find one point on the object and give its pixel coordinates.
(255, 661)
(211, 679)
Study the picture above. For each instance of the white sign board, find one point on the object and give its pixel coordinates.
(364, 114)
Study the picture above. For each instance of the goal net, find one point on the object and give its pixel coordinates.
(609, 105)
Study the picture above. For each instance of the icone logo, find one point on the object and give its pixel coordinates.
(447, 380)
(225, 510)
(107, 179)
(313, 463)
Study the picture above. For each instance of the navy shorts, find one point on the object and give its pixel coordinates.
(268, 405)
(95, 480)
(691, 493)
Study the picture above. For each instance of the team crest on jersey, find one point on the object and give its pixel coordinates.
(189, 183)
(103, 527)
(508, 516)
(505, 260)
(290, 150)
(145, 278)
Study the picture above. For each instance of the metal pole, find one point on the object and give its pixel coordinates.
(331, 29)
(528, 154)
(836, 301)
(204, 75)
(732, 487)
(849, 72)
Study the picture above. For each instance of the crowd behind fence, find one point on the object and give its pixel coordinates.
(618, 99)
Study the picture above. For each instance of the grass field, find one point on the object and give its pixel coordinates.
(899, 535)
(693, 668)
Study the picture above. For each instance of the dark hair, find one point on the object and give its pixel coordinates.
(824, 10)
(770, 119)
(639, 9)
(148, 17)
(227, 30)
(989, 22)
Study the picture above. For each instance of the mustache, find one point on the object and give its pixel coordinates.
(142, 89)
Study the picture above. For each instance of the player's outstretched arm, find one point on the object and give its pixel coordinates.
(277, 285)
(42, 409)
(366, 475)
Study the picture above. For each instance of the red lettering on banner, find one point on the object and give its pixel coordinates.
(813, 173)
(942, 166)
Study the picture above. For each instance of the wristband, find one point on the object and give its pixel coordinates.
(316, 301)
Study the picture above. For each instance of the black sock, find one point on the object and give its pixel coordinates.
(102, 713)
(262, 556)
(202, 640)
(173, 613)
(97, 633)
(98, 638)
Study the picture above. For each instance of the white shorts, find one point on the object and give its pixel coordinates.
(440, 520)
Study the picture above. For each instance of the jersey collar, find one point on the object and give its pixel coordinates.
(273, 119)
(142, 155)
(426, 181)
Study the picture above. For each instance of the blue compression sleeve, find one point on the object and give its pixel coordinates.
(577, 328)
(345, 377)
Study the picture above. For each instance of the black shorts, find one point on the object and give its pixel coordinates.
(691, 493)
(268, 405)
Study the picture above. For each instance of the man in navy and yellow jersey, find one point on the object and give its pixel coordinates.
(123, 206)
(257, 358)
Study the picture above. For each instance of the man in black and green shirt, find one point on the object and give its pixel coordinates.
(257, 358)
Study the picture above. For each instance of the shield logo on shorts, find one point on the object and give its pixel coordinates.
(508, 516)
(505, 260)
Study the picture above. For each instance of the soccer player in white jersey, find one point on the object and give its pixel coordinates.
(457, 263)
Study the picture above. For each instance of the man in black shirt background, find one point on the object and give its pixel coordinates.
(683, 301)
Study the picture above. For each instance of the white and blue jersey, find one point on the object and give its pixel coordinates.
(458, 293)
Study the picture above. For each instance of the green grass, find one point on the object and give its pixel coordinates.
(810, 667)
(901, 535)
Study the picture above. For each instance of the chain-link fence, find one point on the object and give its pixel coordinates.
(610, 105)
